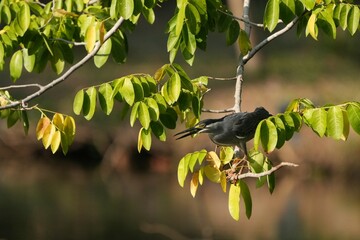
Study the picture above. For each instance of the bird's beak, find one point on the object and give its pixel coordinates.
(188, 132)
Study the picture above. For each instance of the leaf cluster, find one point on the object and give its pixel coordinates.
(326, 15)
(156, 102)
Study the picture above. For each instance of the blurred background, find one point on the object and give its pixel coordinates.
(105, 189)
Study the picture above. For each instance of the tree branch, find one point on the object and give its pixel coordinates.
(68, 72)
(218, 111)
(266, 173)
(22, 86)
(221, 78)
(240, 68)
(242, 19)
(251, 54)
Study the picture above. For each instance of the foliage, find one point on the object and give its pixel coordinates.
(36, 34)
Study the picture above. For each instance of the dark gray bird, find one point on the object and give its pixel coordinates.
(231, 130)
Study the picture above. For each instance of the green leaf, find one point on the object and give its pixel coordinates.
(180, 17)
(105, 98)
(212, 173)
(193, 19)
(226, 154)
(318, 121)
(335, 123)
(89, 105)
(126, 8)
(25, 121)
(144, 139)
(232, 33)
(29, 60)
(244, 43)
(138, 89)
(103, 54)
(234, 201)
(158, 130)
(12, 118)
(16, 65)
(57, 60)
(134, 113)
(271, 15)
(309, 4)
(268, 135)
(69, 129)
(127, 91)
(169, 118)
(149, 15)
(270, 178)
(287, 10)
(183, 169)
(353, 112)
(23, 18)
(344, 15)
(153, 109)
(78, 102)
(193, 160)
(172, 88)
(353, 19)
(245, 193)
(311, 27)
(143, 115)
(281, 131)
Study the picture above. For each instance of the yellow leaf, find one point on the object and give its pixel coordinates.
(223, 181)
(48, 135)
(90, 37)
(194, 183)
(311, 26)
(212, 173)
(58, 121)
(213, 157)
(55, 141)
(43, 123)
(69, 129)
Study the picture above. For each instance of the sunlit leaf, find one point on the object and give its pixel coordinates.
(127, 91)
(335, 122)
(55, 141)
(353, 19)
(144, 139)
(234, 201)
(226, 154)
(16, 65)
(78, 102)
(143, 115)
(183, 169)
(353, 112)
(58, 121)
(48, 135)
(126, 8)
(103, 54)
(268, 136)
(90, 37)
(193, 160)
(194, 184)
(223, 181)
(214, 158)
(311, 27)
(69, 129)
(89, 105)
(212, 173)
(43, 123)
(271, 15)
(105, 98)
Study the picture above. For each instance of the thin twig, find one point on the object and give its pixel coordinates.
(22, 86)
(69, 71)
(69, 42)
(259, 46)
(221, 78)
(266, 173)
(259, 25)
(218, 111)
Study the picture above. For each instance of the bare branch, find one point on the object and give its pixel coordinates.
(269, 39)
(218, 111)
(262, 174)
(22, 86)
(69, 42)
(221, 79)
(240, 68)
(69, 71)
(242, 19)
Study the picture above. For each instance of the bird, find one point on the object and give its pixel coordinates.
(235, 129)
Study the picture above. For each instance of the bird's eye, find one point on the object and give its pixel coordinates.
(201, 125)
